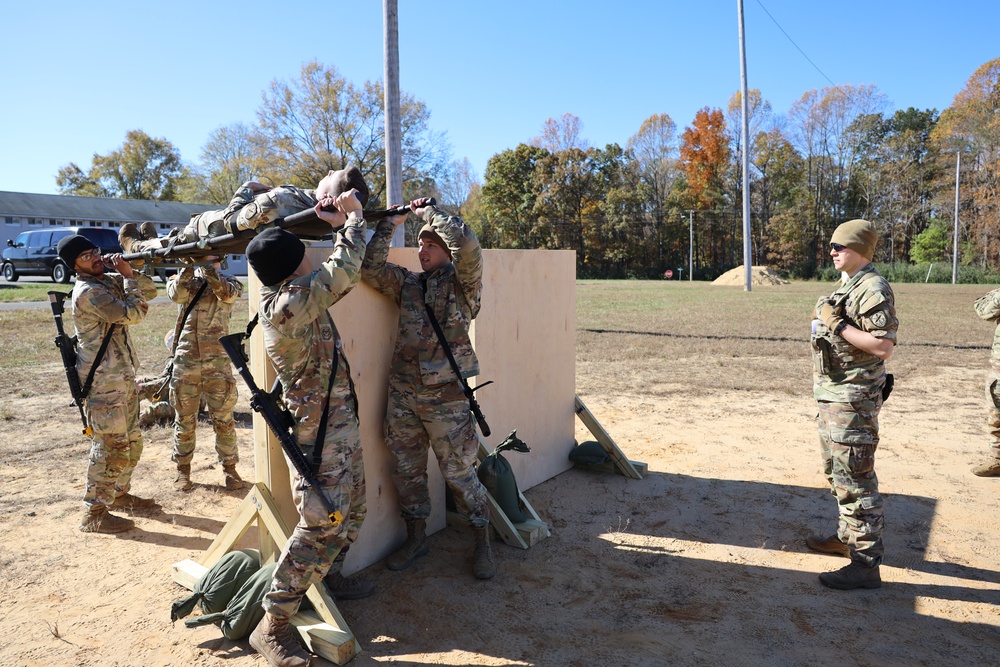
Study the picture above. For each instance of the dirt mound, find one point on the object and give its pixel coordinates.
(759, 275)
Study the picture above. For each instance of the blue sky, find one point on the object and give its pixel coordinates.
(78, 76)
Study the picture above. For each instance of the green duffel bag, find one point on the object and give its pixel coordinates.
(219, 584)
(497, 476)
(245, 610)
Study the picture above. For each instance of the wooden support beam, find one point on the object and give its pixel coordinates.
(621, 462)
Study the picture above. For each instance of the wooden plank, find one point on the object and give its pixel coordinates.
(238, 524)
(623, 465)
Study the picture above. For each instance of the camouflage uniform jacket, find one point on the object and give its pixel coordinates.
(250, 211)
(842, 372)
(209, 319)
(453, 292)
(988, 308)
(99, 302)
(300, 336)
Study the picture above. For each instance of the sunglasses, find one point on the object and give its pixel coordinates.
(89, 255)
(836, 247)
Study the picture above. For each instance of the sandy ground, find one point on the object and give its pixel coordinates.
(700, 563)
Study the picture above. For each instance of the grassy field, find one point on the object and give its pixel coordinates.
(636, 337)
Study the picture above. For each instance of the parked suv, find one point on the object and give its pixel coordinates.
(34, 252)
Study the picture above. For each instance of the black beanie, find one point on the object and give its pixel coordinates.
(70, 247)
(274, 255)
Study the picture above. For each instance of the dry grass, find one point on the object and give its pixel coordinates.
(695, 338)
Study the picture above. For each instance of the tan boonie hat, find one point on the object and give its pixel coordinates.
(858, 235)
(427, 232)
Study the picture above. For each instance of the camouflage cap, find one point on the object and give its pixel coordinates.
(427, 232)
(858, 235)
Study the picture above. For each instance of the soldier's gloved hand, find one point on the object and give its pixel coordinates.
(832, 315)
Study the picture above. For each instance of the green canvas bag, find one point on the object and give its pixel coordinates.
(497, 476)
(218, 585)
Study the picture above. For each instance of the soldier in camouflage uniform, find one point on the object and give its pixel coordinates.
(305, 348)
(202, 367)
(427, 407)
(253, 205)
(100, 300)
(854, 333)
(988, 308)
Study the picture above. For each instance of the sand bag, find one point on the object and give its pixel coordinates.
(497, 476)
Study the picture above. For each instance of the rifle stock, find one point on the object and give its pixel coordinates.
(67, 349)
(278, 419)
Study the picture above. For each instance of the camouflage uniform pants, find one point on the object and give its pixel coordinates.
(113, 414)
(848, 434)
(187, 386)
(438, 418)
(993, 422)
(316, 541)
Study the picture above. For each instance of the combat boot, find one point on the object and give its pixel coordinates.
(127, 501)
(183, 481)
(233, 480)
(483, 566)
(274, 639)
(346, 588)
(852, 576)
(127, 235)
(990, 468)
(413, 548)
(148, 231)
(97, 519)
(828, 545)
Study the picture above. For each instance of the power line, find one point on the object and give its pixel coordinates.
(796, 45)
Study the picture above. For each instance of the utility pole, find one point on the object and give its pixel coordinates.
(954, 247)
(393, 141)
(747, 259)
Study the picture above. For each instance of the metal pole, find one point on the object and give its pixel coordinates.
(690, 246)
(954, 249)
(744, 112)
(393, 142)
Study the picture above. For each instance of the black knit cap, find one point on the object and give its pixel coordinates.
(274, 255)
(70, 247)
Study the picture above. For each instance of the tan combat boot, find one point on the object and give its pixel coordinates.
(127, 236)
(97, 519)
(233, 480)
(274, 639)
(852, 576)
(483, 566)
(148, 231)
(127, 501)
(828, 545)
(413, 548)
(183, 481)
(346, 588)
(990, 468)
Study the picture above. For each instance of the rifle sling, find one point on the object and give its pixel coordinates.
(321, 432)
(441, 338)
(97, 362)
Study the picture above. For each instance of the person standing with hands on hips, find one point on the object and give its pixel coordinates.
(427, 407)
(854, 334)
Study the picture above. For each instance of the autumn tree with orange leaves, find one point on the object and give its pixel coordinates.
(704, 159)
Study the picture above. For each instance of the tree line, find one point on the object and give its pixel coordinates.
(629, 211)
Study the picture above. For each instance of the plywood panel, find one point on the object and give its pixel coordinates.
(525, 340)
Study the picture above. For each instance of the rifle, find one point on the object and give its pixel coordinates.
(67, 348)
(278, 419)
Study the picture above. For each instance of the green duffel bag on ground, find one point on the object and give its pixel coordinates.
(244, 611)
(219, 584)
(497, 476)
